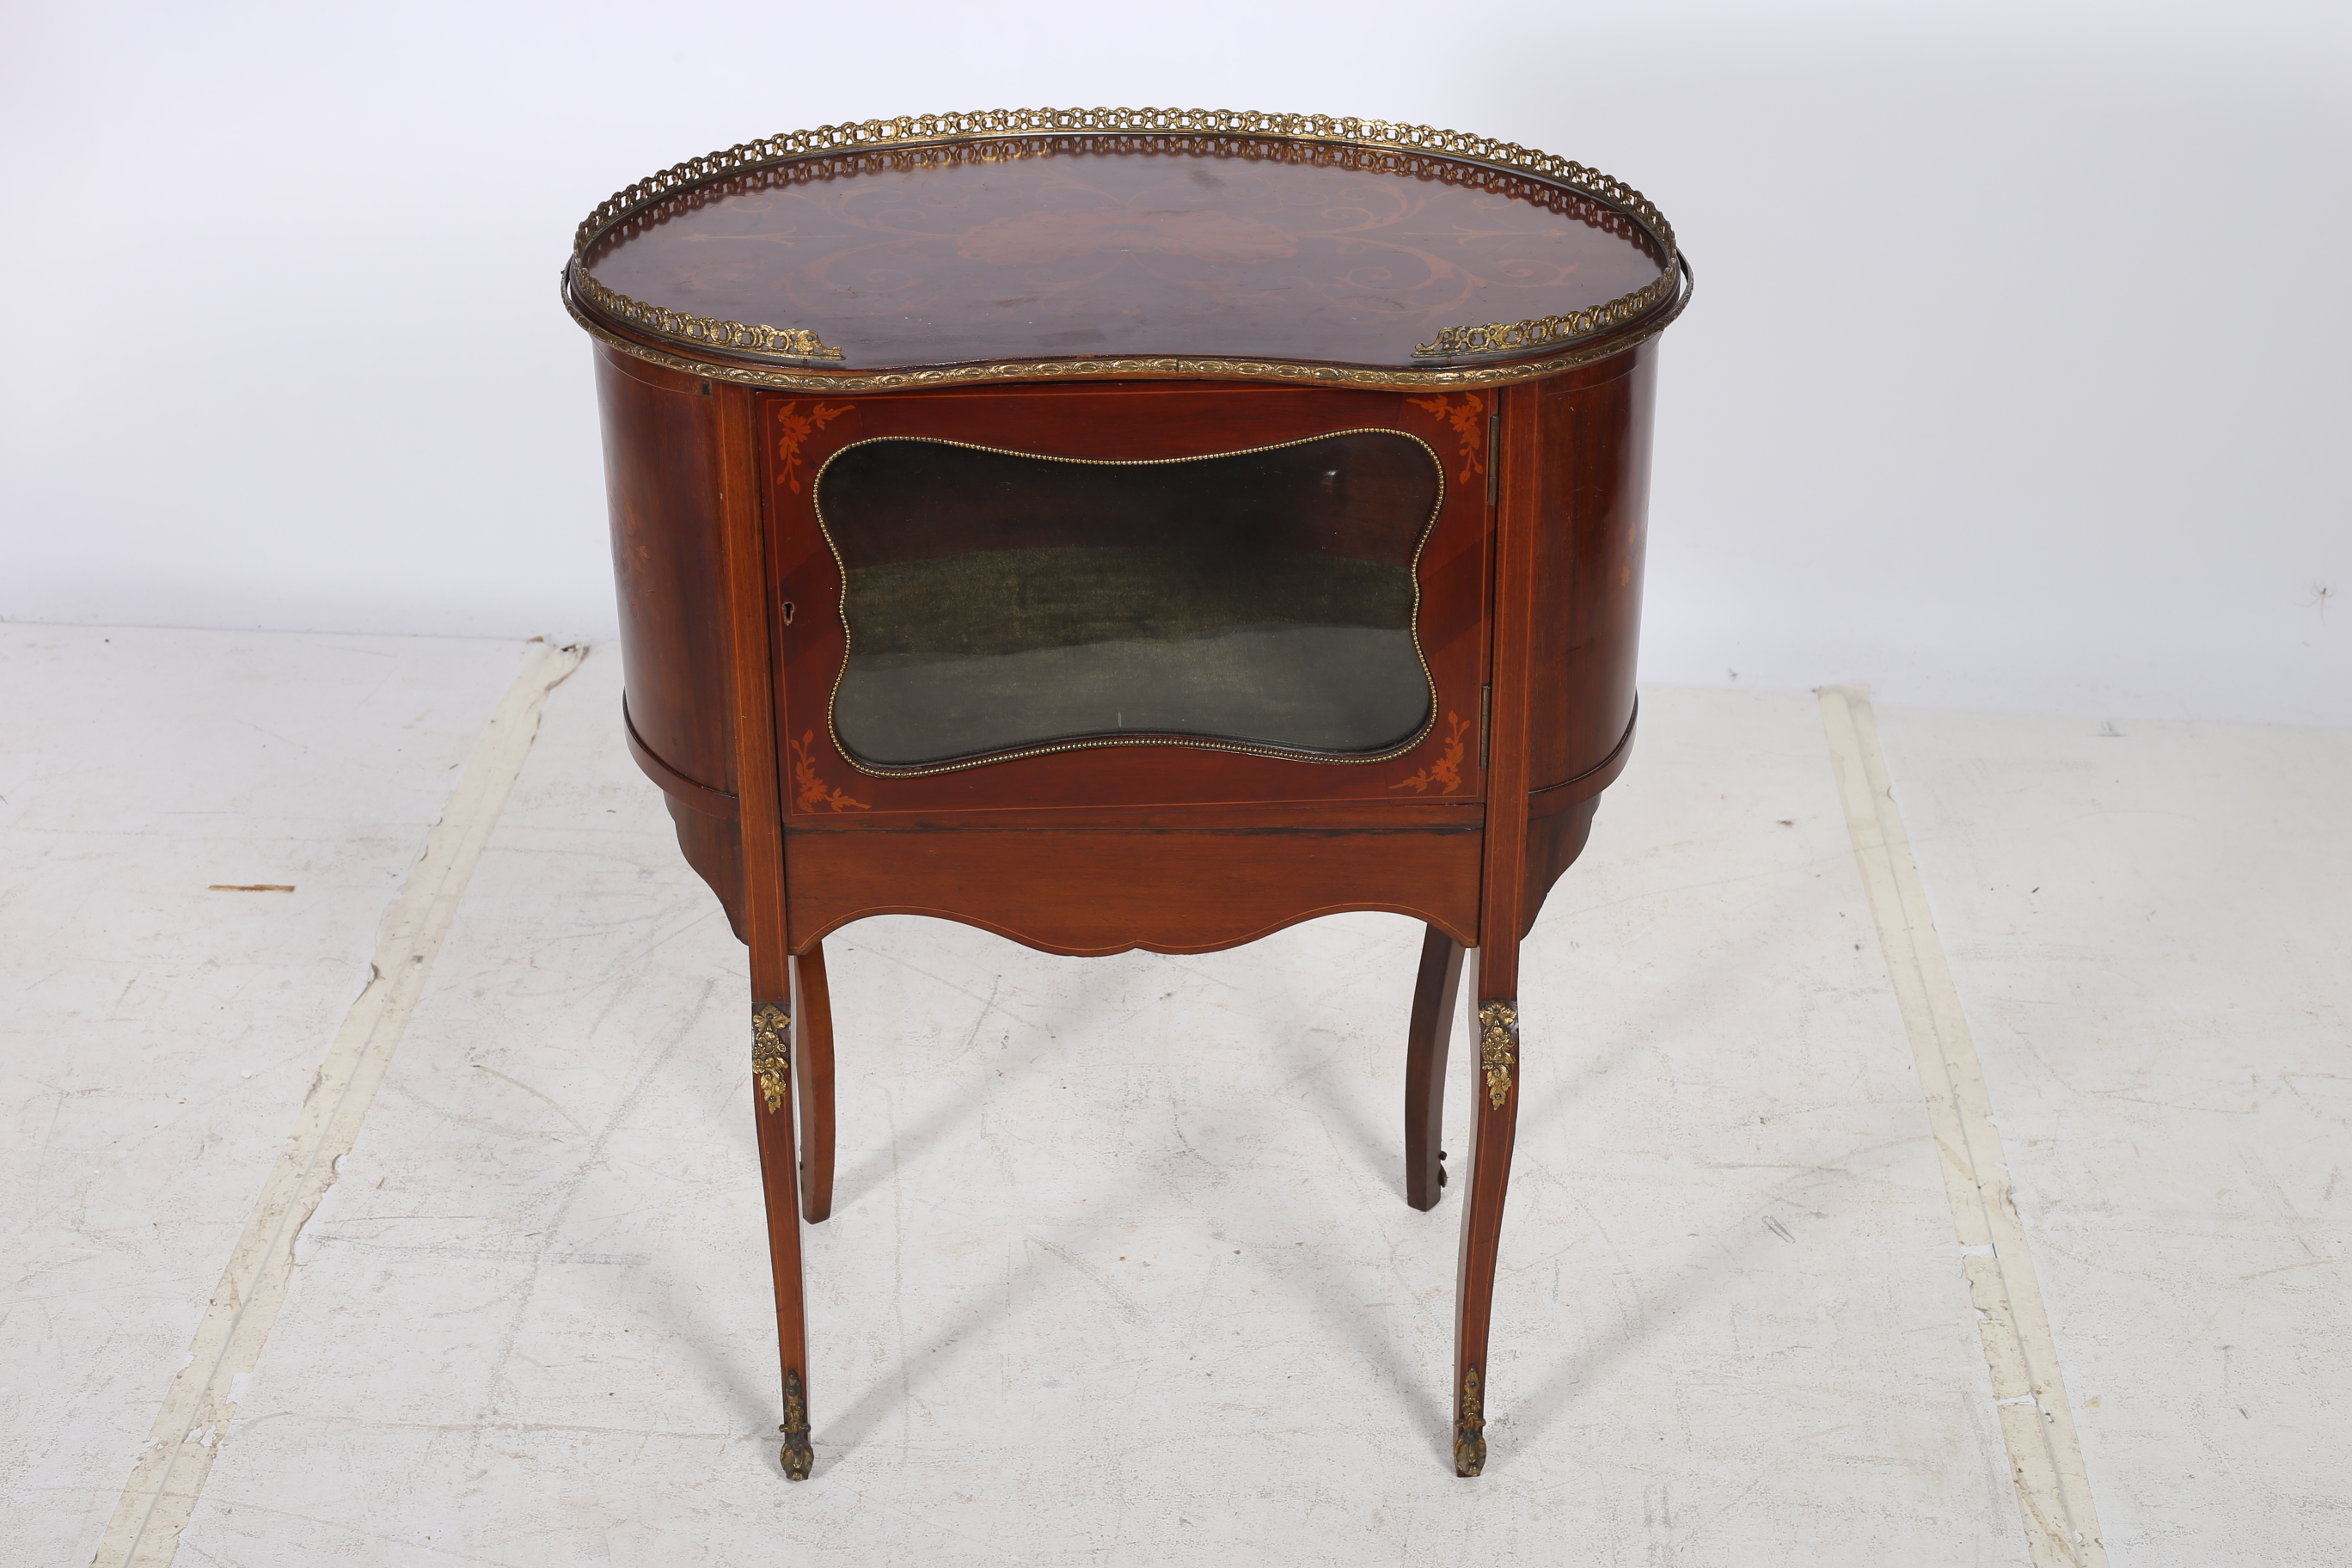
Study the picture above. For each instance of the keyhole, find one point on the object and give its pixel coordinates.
(788, 612)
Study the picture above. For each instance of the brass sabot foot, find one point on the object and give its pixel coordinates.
(797, 1456)
(1470, 1430)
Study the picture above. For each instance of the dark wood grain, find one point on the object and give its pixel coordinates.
(714, 848)
(812, 1074)
(780, 1189)
(1026, 248)
(1529, 586)
(1504, 879)
(686, 792)
(1493, 1135)
(1594, 496)
(1512, 620)
(1556, 836)
(663, 479)
(1087, 892)
(1436, 993)
(751, 659)
(662, 475)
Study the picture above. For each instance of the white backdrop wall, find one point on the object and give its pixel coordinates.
(2016, 376)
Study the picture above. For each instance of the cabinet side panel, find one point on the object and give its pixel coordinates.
(715, 849)
(661, 473)
(1555, 838)
(1595, 521)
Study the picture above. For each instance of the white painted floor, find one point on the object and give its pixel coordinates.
(2151, 925)
(1120, 1269)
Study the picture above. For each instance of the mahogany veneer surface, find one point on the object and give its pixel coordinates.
(1040, 246)
(1101, 654)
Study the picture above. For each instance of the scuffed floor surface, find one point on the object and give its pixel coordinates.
(157, 1034)
(1120, 1271)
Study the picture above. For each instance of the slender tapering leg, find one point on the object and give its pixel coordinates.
(751, 664)
(1503, 914)
(1431, 1031)
(1495, 1092)
(779, 1174)
(812, 1067)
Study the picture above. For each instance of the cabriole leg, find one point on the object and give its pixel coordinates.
(812, 1066)
(1495, 1092)
(779, 1174)
(1426, 1040)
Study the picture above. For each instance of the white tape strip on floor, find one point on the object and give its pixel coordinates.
(2052, 1491)
(171, 1472)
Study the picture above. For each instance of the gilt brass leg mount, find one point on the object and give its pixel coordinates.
(772, 1055)
(1498, 1048)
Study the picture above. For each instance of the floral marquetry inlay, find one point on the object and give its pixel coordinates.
(794, 427)
(1444, 774)
(1468, 418)
(810, 792)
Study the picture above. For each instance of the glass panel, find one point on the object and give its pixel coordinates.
(998, 601)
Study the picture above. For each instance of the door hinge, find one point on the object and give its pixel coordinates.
(1494, 456)
(1486, 706)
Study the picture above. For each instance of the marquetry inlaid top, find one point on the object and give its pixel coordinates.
(1100, 246)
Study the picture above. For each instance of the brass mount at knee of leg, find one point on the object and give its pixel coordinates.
(771, 1054)
(1498, 1048)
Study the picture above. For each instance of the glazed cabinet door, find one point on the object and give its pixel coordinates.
(1115, 595)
